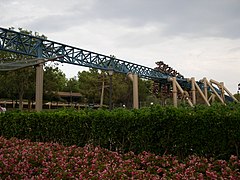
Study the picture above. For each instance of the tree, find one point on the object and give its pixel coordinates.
(54, 80)
(72, 85)
(122, 90)
(19, 83)
(146, 95)
(91, 82)
(89, 85)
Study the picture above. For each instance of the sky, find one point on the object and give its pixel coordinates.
(198, 38)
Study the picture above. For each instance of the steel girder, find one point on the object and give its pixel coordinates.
(37, 47)
(32, 46)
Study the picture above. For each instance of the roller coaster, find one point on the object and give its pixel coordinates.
(165, 78)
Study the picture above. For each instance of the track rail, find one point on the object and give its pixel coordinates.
(32, 46)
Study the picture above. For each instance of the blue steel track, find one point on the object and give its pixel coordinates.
(32, 46)
(36, 47)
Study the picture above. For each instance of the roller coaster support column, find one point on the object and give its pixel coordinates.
(134, 79)
(174, 84)
(102, 94)
(230, 94)
(222, 90)
(193, 91)
(39, 86)
(201, 93)
(184, 94)
(205, 87)
(214, 91)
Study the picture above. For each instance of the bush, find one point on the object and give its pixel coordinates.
(206, 131)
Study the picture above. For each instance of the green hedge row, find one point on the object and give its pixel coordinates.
(207, 131)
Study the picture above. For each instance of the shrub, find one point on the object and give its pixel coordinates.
(206, 131)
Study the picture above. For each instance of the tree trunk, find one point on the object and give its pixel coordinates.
(20, 101)
(21, 92)
(29, 104)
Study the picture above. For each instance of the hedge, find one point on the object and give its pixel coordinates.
(205, 131)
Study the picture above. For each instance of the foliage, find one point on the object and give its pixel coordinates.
(90, 85)
(22, 159)
(205, 131)
(19, 83)
(54, 81)
(72, 85)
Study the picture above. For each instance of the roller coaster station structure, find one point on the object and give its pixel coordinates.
(166, 80)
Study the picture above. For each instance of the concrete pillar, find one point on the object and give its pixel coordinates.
(205, 87)
(39, 86)
(111, 90)
(193, 91)
(102, 94)
(174, 91)
(134, 79)
(135, 91)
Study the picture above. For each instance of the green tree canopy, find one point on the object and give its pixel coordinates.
(54, 80)
(18, 84)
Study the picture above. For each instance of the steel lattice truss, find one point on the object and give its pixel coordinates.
(41, 48)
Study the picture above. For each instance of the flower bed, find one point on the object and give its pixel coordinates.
(22, 159)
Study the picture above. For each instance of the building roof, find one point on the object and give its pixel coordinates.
(69, 94)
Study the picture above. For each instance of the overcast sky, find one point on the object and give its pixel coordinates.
(198, 38)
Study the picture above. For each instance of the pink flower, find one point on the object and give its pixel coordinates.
(159, 170)
(200, 176)
(233, 158)
(212, 175)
